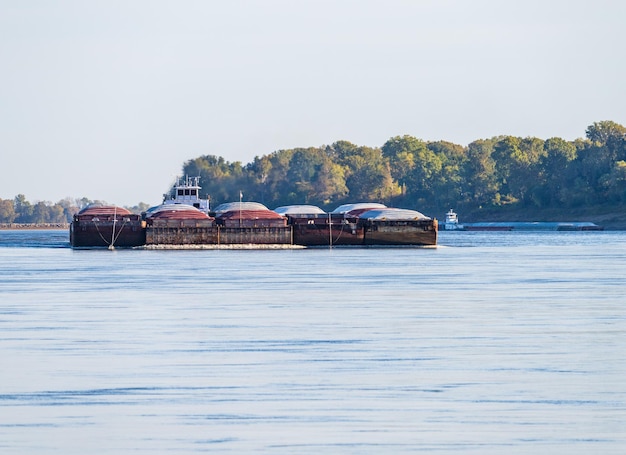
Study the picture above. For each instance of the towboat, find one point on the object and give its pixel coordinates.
(452, 222)
(187, 191)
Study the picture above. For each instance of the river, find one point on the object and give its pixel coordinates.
(491, 343)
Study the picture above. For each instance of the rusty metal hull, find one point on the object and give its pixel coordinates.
(130, 231)
(107, 233)
(324, 229)
(278, 235)
(418, 232)
(314, 231)
(217, 235)
(318, 234)
(168, 235)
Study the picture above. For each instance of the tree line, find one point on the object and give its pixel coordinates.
(407, 172)
(20, 210)
(503, 171)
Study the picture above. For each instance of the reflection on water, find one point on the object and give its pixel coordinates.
(492, 343)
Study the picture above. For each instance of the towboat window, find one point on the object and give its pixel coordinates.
(180, 192)
(193, 192)
(187, 192)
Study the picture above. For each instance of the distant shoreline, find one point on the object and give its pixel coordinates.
(33, 226)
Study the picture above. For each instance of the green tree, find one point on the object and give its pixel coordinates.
(341, 151)
(416, 168)
(40, 213)
(517, 167)
(23, 209)
(557, 170)
(220, 180)
(258, 172)
(402, 153)
(614, 183)
(303, 168)
(527, 178)
(448, 185)
(71, 206)
(329, 184)
(607, 145)
(604, 132)
(368, 176)
(276, 185)
(7, 211)
(479, 174)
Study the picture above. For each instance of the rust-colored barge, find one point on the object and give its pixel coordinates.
(324, 230)
(398, 227)
(179, 224)
(106, 226)
(362, 224)
(314, 227)
(232, 224)
(245, 224)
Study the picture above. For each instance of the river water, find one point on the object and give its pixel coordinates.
(492, 343)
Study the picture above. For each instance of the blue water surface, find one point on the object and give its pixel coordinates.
(501, 342)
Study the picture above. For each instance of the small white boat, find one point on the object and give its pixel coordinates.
(452, 222)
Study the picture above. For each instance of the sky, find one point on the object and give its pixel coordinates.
(107, 99)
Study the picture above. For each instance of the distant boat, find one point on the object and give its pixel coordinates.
(452, 222)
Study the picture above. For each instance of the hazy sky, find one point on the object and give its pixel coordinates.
(107, 99)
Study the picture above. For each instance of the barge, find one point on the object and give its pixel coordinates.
(397, 227)
(237, 223)
(184, 219)
(363, 224)
(179, 224)
(251, 223)
(106, 226)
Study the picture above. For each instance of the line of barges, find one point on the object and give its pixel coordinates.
(184, 219)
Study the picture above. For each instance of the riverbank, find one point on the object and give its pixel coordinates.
(23, 226)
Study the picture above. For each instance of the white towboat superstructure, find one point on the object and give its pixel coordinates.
(187, 191)
(452, 222)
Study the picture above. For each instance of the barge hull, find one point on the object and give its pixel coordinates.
(164, 235)
(84, 234)
(318, 235)
(259, 235)
(315, 232)
(217, 235)
(420, 233)
(311, 232)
